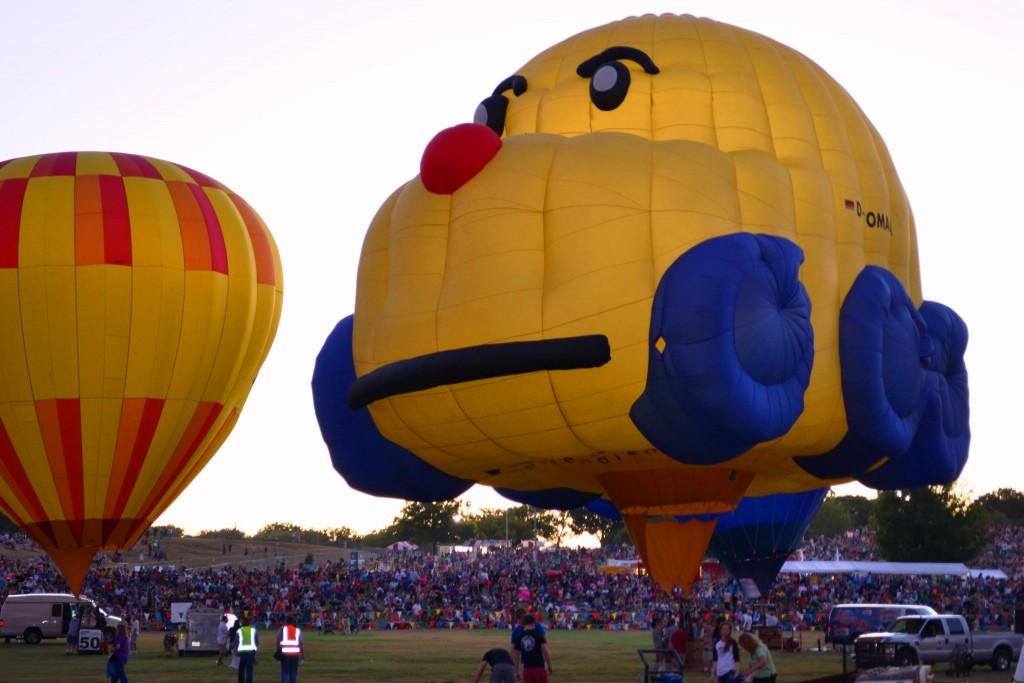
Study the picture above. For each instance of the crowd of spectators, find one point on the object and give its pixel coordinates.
(567, 588)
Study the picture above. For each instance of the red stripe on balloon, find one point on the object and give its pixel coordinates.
(260, 240)
(117, 230)
(12, 196)
(199, 426)
(11, 514)
(43, 534)
(61, 426)
(12, 472)
(194, 247)
(197, 464)
(134, 166)
(134, 444)
(69, 414)
(88, 221)
(62, 163)
(218, 252)
(202, 179)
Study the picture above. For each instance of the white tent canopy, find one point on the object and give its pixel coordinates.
(988, 574)
(487, 543)
(915, 568)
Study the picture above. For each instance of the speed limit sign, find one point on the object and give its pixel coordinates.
(90, 640)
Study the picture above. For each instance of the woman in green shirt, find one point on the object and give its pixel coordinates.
(762, 668)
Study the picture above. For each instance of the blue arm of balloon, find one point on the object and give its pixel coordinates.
(359, 452)
(938, 453)
(730, 349)
(904, 386)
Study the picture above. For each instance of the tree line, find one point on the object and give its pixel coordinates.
(930, 524)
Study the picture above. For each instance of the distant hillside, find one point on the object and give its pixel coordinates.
(203, 552)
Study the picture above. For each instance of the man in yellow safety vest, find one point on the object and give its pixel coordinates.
(289, 644)
(245, 645)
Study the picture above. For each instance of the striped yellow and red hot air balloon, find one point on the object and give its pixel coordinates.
(138, 300)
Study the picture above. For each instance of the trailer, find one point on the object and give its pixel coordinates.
(199, 632)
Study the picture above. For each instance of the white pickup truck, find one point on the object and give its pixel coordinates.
(936, 638)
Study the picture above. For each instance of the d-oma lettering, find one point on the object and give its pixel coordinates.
(873, 219)
(878, 220)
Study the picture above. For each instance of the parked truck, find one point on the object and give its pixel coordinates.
(926, 639)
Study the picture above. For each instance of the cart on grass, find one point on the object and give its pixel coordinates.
(658, 671)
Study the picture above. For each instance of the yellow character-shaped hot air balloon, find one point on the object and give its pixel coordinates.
(671, 263)
(138, 300)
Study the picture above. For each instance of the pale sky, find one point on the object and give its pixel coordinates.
(315, 112)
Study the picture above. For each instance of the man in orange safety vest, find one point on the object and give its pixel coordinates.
(289, 644)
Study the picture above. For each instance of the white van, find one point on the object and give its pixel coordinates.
(34, 616)
(846, 622)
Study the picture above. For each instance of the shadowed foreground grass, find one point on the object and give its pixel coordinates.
(407, 656)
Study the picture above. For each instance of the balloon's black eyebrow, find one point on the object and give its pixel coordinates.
(515, 83)
(587, 68)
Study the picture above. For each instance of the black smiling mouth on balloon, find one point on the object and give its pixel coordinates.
(485, 361)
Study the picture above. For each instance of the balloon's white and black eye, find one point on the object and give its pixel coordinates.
(491, 113)
(609, 85)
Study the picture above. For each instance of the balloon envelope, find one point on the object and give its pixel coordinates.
(138, 299)
(671, 264)
(754, 541)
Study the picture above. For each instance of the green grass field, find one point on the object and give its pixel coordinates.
(407, 656)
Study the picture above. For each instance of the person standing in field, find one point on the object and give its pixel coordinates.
(289, 642)
(531, 648)
(658, 638)
(708, 636)
(119, 654)
(222, 639)
(520, 614)
(762, 668)
(133, 634)
(72, 647)
(726, 655)
(245, 645)
(678, 641)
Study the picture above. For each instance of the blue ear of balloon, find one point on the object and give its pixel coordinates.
(550, 499)
(730, 349)
(938, 453)
(367, 461)
(904, 387)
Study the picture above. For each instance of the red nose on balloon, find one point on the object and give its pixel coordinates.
(455, 155)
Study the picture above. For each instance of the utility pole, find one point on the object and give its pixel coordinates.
(535, 541)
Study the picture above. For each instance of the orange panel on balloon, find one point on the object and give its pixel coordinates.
(672, 551)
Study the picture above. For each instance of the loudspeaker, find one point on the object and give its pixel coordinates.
(1018, 620)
